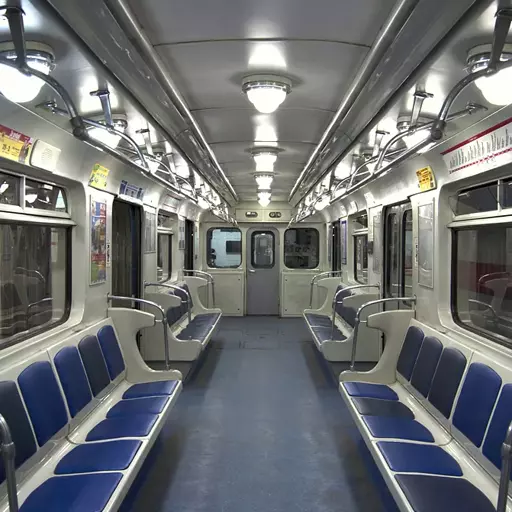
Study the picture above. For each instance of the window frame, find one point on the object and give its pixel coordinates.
(488, 335)
(26, 335)
(209, 247)
(355, 237)
(261, 232)
(317, 248)
(167, 233)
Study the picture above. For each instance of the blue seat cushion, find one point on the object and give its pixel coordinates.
(326, 334)
(426, 364)
(111, 351)
(369, 390)
(149, 405)
(410, 350)
(316, 320)
(107, 456)
(440, 494)
(389, 427)
(157, 388)
(75, 493)
(209, 318)
(194, 332)
(136, 425)
(376, 407)
(418, 458)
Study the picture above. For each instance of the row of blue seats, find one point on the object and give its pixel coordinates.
(200, 326)
(321, 325)
(447, 410)
(80, 430)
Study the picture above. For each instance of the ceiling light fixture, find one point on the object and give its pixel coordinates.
(265, 159)
(103, 135)
(203, 203)
(15, 85)
(264, 197)
(322, 202)
(266, 92)
(495, 88)
(264, 181)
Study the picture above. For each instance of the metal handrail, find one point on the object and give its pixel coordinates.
(163, 321)
(358, 321)
(39, 302)
(335, 301)
(506, 456)
(175, 287)
(315, 278)
(211, 281)
(9, 456)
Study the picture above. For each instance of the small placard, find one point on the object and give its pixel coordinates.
(426, 178)
(251, 215)
(275, 215)
(15, 145)
(129, 190)
(99, 177)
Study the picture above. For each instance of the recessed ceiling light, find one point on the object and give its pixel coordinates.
(265, 158)
(18, 87)
(264, 197)
(266, 92)
(264, 181)
(495, 88)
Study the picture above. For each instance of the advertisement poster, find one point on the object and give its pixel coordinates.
(98, 241)
(99, 177)
(14, 145)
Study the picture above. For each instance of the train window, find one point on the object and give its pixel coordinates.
(301, 248)
(477, 199)
(164, 258)
(44, 196)
(361, 222)
(224, 247)
(9, 189)
(361, 258)
(482, 288)
(336, 246)
(407, 253)
(34, 280)
(393, 255)
(263, 249)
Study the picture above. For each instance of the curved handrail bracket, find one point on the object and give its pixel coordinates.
(358, 320)
(152, 304)
(316, 277)
(211, 281)
(175, 287)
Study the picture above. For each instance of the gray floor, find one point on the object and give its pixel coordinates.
(260, 427)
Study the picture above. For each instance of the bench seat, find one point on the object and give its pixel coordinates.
(437, 443)
(80, 438)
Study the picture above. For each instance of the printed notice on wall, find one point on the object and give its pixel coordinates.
(98, 242)
(14, 145)
(487, 150)
(99, 177)
(426, 178)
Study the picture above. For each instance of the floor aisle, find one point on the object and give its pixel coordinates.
(260, 428)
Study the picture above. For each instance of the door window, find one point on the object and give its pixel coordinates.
(262, 249)
(301, 248)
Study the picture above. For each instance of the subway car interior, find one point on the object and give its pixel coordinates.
(244, 256)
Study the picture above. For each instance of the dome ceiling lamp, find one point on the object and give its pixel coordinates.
(265, 158)
(17, 86)
(417, 134)
(496, 87)
(264, 197)
(264, 180)
(266, 92)
(110, 139)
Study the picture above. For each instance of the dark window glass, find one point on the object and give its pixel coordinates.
(482, 287)
(224, 247)
(164, 262)
(336, 246)
(361, 221)
(9, 189)
(301, 248)
(262, 249)
(45, 197)
(506, 200)
(34, 280)
(477, 200)
(392, 255)
(407, 253)
(361, 259)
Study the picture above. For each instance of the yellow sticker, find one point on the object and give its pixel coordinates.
(426, 178)
(99, 177)
(14, 145)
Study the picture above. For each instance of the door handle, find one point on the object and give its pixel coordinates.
(252, 271)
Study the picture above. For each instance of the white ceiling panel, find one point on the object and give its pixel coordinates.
(241, 125)
(210, 74)
(356, 21)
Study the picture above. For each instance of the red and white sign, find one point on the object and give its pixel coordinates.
(488, 149)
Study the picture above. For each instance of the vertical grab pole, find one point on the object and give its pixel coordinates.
(506, 456)
(8, 455)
